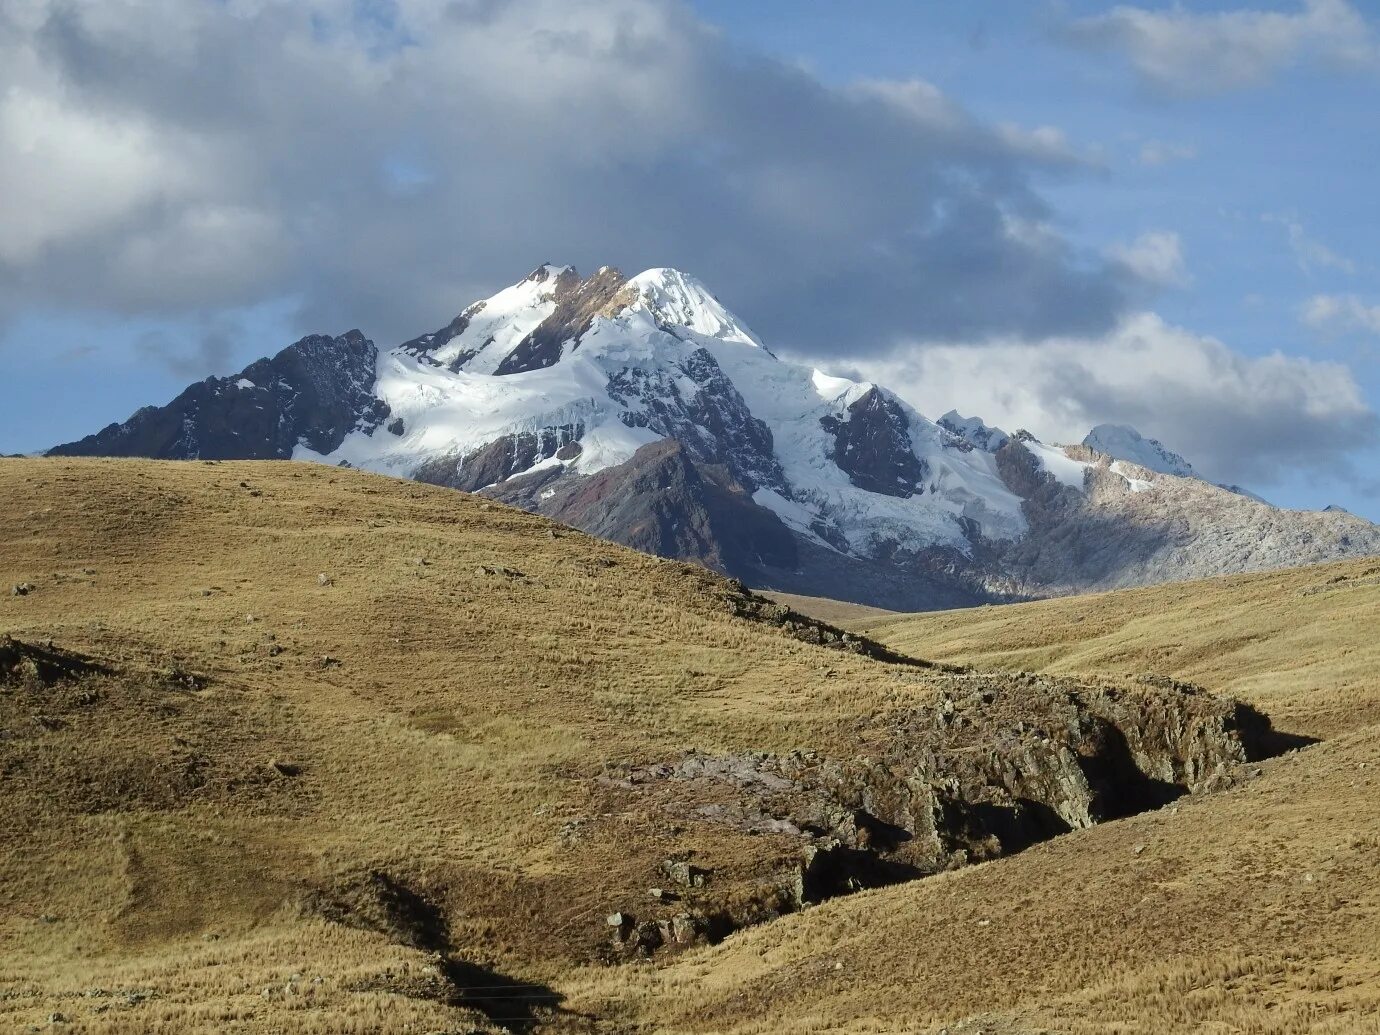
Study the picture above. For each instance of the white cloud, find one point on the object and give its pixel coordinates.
(1185, 52)
(1156, 258)
(1159, 152)
(65, 172)
(1237, 418)
(1311, 254)
(1341, 314)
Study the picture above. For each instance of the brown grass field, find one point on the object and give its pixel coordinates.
(338, 770)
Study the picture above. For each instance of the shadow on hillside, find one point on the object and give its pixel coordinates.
(1276, 742)
(373, 900)
(517, 1005)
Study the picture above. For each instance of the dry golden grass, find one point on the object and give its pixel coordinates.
(156, 869)
(835, 612)
(448, 675)
(1301, 644)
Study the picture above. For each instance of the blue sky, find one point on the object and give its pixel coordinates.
(174, 222)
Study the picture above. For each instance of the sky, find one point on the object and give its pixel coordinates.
(1048, 214)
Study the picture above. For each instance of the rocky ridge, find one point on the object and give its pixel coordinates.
(991, 767)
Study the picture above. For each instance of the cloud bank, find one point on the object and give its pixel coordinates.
(1237, 418)
(388, 162)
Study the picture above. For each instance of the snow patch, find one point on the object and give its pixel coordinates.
(1064, 469)
(611, 444)
(1136, 484)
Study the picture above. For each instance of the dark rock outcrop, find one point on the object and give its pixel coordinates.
(713, 422)
(423, 346)
(313, 393)
(664, 502)
(500, 459)
(872, 446)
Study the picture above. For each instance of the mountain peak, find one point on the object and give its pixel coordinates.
(547, 271)
(680, 300)
(974, 431)
(1123, 442)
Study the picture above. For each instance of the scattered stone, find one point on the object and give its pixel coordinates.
(661, 894)
(274, 650)
(324, 580)
(328, 662)
(285, 768)
(687, 929)
(685, 874)
(57, 1018)
(647, 937)
(617, 920)
(498, 569)
(21, 589)
(1138, 849)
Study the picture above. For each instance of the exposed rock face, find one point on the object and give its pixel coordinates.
(424, 345)
(379, 902)
(500, 459)
(711, 420)
(989, 772)
(313, 393)
(664, 502)
(872, 446)
(578, 302)
(993, 766)
(973, 431)
(1130, 525)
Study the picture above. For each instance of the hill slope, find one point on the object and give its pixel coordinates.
(1294, 642)
(1254, 910)
(292, 748)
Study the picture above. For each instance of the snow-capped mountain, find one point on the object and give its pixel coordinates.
(643, 410)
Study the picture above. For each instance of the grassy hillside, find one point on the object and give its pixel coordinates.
(1302, 644)
(291, 748)
(315, 676)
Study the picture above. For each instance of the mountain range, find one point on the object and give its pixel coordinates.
(643, 411)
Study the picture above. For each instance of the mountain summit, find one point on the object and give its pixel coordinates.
(643, 410)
